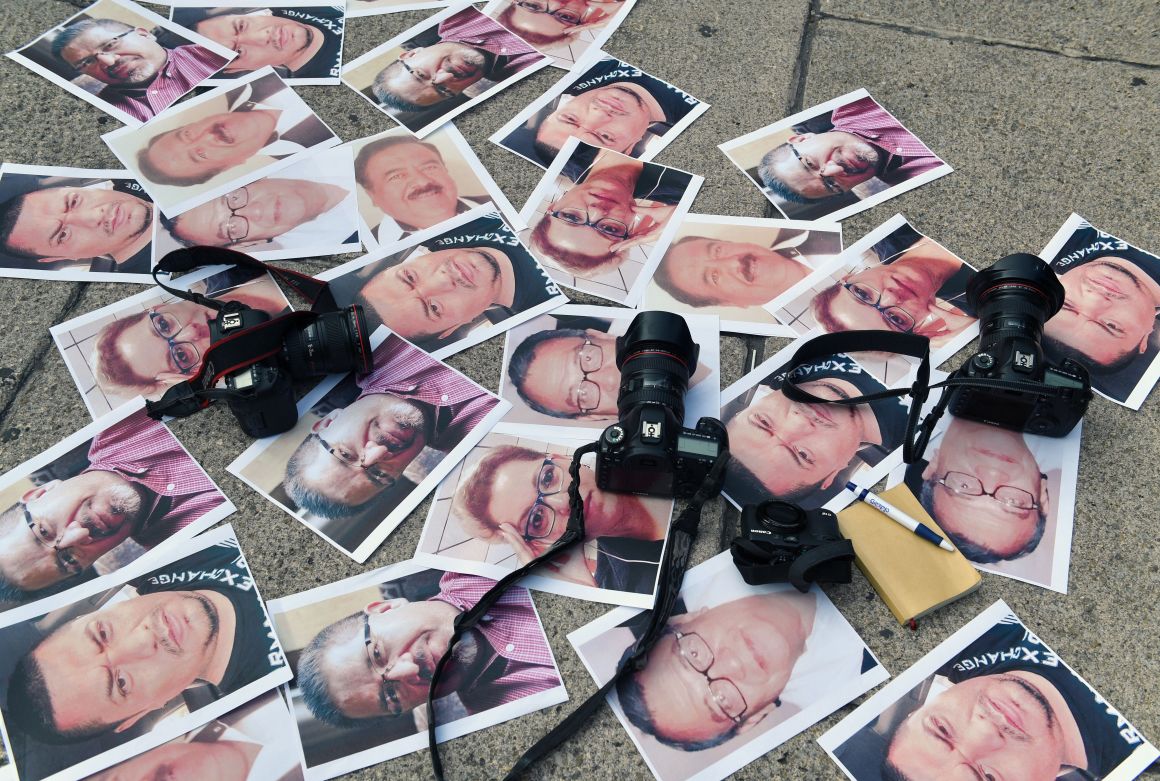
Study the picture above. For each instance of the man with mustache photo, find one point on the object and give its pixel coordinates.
(408, 181)
(374, 666)
(142, 77)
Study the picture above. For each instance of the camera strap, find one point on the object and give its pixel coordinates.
(681, 534)
(238, 350)
(758, 562)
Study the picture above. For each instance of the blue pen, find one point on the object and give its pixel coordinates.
(896, 515)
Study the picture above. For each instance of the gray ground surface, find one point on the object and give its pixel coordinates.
(1042, 108)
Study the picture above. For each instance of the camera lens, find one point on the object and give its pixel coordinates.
(1014, 297)
(781, 517)
(333, 342)
(656, 357)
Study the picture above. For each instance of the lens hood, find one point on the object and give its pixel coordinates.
(1020, 271)
(662, 332)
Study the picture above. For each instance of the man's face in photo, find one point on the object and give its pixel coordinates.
(748, 644)
(732, 273)
(432, 74)
(614, 116)
(380, 432)
(411, 185)
(565, 16)
(906, 284)
(122, 58)
(74, 223)
(434, 293)
(121, 662)
(818, 165)
(73, 523)
(993, 726)
(143, 346)
(213, 144)
(974, 456)
(575, 375)
(391, 674)
(268, 208)
(260, 39)
(792, 446)
(601, 197)
(221, 760)
(1109, 310)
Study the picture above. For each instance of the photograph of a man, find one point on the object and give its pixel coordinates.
(88, 677)
(368, 442)
(1110, 307)
(834, 159)
(564, 31)
(71, 223)
(220, 141)
(734, 266)
(992, 701)
(601, 216)
(802, 452)
(737, 666)
(611, 104)
(435, 70)
(363, 676)
(470, 278)
(128, 489)
(997, 494)
(303, 44)
(560, 369)
(124, 59)
(509, 504)
(305, 210)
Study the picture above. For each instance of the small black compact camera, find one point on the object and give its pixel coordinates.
(1013, 299)
(262, 397)
(780, 542)
(649, 451)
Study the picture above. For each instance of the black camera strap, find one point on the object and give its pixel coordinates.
(758, 562)
(681, 534)
(313, 290)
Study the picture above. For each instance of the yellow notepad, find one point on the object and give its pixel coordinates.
(912, 576)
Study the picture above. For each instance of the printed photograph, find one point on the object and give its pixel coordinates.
(994, 700)
(103, 497)
(303, 211)
(120, 671)
(145, 344)
(605, 102)
(835, 159)
(363, 651)
(733, 266)
(451, 286)
(1110, 306)
(508, 504)
(893, 279)
(252, 743)
(1004, 498)
(806, 453)
(367, 449)
(738, 671)
(300, 39)
(74, 224)
(373, 7)
(221, 140)
(407, 185)
(600, 221)
(441, 67)
(560, 375)
(125, 60)
(564, 31)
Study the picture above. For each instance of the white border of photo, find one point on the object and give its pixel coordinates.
(598, 39)
(400, 5)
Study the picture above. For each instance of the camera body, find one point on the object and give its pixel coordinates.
(781, 542)
(1014, 298)
(649, 451)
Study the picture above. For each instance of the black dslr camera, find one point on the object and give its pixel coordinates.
(780, 542)
(648, 451)
(1014, 298)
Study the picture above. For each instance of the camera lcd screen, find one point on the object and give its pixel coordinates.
(699, 447)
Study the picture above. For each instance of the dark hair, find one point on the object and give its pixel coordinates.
(79, 28)
(544, 151)
(387, 98)
(170, 225)
(312, 500)
(521, 362)
(972, 550)
(747, 488)
(635, 707)
(312, 680)
(1060, 351)
(775, 184)
(890, 772)
(663, 276)
(363, 159)
(29, 706)
(154, 174)
(9, 214)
